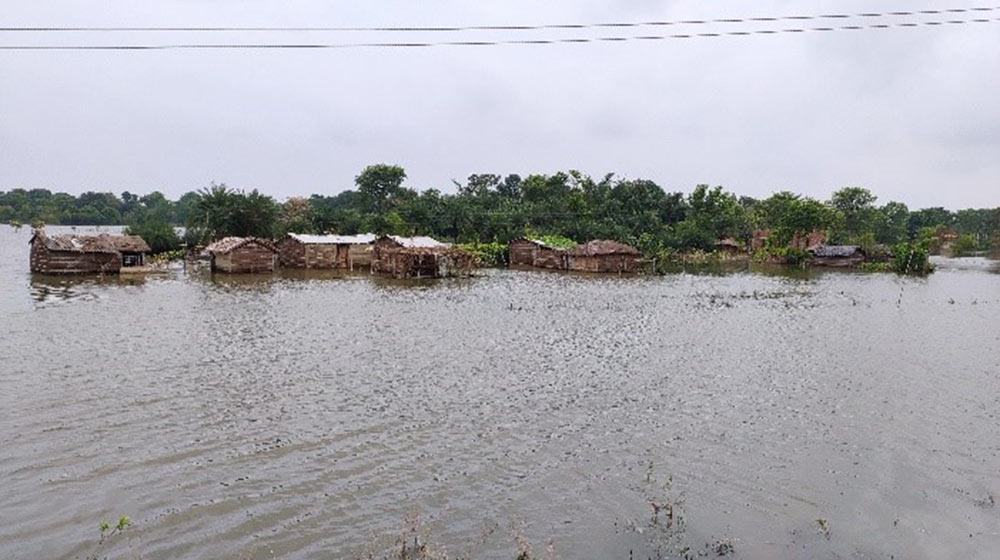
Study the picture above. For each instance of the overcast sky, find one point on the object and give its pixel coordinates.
(912, 114)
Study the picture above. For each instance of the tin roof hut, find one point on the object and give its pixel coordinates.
(837, 255)
(534, 252)
(297, 250)
(419, 257)
(83, 254)
(242, 254)
(604, 256)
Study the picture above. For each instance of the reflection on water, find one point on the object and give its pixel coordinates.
(306, 414)
(61, 288)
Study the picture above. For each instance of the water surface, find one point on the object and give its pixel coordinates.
(315, 415)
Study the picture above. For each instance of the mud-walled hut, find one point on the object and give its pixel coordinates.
(837, 255)
(242, 254)
(86, 254)
(536, 253)
(729, 246)
(604, 256)
(298, 250)
(419, 257)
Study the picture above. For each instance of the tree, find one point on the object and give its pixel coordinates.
(788, 215)
(378, 184)
(928, 218)
(891, 226)
(856, 209)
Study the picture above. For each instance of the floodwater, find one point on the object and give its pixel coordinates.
(817, 415)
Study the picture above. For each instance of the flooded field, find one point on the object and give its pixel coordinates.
(761, 414)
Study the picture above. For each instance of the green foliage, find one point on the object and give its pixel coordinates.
(911, 258)
(378, 184)
(161, 236)
(856, 214)
(782, 255)
(220, 212)
(571, 205)
(557, 241)
(876, 267)
(787, 214)
(487, 254)
(965, 245)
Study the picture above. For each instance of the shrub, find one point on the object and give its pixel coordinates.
(911, 258)
(487, 254)
(160, 236)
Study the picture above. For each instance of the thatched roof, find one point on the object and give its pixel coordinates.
(603, 247)
(103, 243)
(828, 251)
(230, 244)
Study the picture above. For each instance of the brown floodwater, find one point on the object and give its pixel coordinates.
(787, 414)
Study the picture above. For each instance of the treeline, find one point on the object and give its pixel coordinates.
(495, 208)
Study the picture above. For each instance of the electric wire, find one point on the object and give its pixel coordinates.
(483, 43)
(515, 27)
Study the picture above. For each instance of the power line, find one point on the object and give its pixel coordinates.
(471, 43)
(539, 27)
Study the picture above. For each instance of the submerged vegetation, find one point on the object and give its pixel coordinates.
(488, 210)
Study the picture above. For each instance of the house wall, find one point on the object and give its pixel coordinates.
(526, 253)
(604, 263)
(853, 261)
(321, 255)
(248, 258)
(44, 261)
(291, 253)
(358, 255)
(522, 253)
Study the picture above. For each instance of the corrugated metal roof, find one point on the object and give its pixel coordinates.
(838, 251)
(419, 242)
(540, 243)
(308, 239)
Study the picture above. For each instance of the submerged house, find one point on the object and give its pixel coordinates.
(242, 254)
(297, 250)
(604, 256)
(837, 255)
(729, 246)
(419, 257)
(594, 256)
(800, 240)
(83, 254)
(536, 253)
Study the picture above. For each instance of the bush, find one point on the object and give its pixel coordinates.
(487, 254)
(911, 258)
(965, 245)
(160, 236)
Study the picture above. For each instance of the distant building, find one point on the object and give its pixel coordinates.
(729, 246)
(83, 254)
(837, 255)
(593, 256)
(419, 257)
(799, 241)
(298, 250)
(604, 256)
(242, 254)
(536, 253)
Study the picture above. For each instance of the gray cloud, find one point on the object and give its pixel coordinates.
(911, 114)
